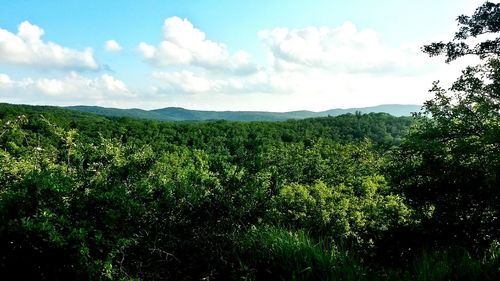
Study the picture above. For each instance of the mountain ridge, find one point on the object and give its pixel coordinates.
(182, 114)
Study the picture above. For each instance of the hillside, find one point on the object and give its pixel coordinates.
(181, 114)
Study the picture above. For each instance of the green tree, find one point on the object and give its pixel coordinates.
(449, 164)
(485, 20)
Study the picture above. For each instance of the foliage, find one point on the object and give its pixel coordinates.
(485, 20)
(353, 215)
(448, 165)
(85, 206)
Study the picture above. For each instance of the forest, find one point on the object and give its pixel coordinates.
(351, 197)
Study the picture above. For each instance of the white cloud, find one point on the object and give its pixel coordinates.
(184, 44)
(285, 91)
(69, 89)
(53, 87)
(114, 85)
(5, 80)
(188, 82)
(313, 68)
(147, 51)
(112, 46)
(27, 48)
(342, 50)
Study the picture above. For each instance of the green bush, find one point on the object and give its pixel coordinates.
(340, 212)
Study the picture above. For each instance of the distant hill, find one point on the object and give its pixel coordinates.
(181, 114)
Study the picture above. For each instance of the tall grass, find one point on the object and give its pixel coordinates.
(458, 264)
(270, 253)
(447, 265)
(451, 264)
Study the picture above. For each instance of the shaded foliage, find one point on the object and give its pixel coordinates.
(448, 165)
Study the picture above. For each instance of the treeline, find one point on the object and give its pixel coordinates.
(381, 128)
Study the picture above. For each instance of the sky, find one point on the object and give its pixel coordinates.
(272, 55)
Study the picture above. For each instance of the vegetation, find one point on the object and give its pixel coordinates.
(352, 197)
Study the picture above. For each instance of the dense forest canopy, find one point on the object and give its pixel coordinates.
(351, 197)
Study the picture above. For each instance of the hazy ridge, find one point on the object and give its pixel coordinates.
(182, 114)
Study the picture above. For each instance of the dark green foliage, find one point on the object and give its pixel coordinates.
(77, 205)
(448, 166)
(269, 253)
(485, 20)
(140, 205)
(456, 264)
(125, 199)
(379, 127)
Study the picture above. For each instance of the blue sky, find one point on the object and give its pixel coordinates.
(223, 55)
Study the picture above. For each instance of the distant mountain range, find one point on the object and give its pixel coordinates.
(181, 114)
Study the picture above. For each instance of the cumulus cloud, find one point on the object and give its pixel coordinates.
(70, 89)
(344, 49)
(112, 46)
(184, 44)
(313, 68)
(308, 61)
(26, 47)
